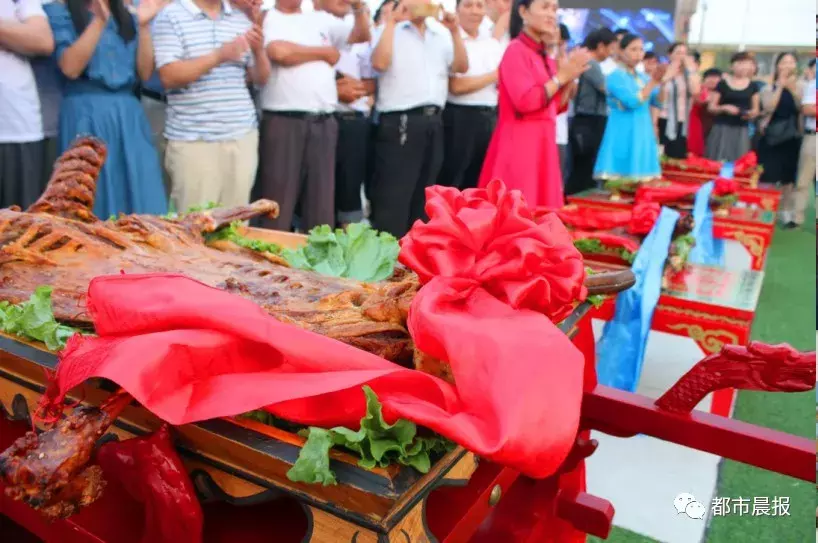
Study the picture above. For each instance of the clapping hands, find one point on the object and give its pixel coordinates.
(255, 38)
(573, 64)
(101, 9)
(234, 51)
(350, 89)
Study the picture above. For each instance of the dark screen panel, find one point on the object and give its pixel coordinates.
(655, 26)
(664, 5)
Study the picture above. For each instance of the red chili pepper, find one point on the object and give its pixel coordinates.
(152, 473)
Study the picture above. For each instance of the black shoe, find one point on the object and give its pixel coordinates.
(790, 226)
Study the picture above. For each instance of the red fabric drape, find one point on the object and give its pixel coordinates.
(494, 278)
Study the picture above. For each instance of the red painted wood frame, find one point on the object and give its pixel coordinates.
(710, 325)
(699, 178)
(756, 237)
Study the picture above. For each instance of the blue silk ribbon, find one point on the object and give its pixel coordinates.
(708, 250)
(621, 349)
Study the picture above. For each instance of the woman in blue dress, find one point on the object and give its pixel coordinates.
(629, 148)
(103, 49)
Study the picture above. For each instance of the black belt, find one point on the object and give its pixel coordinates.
(153, 95)
(306, 115)
(481, 109)
(422, 111)
(349, 115)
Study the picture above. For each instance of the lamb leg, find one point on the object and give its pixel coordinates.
(213, 219)
(50, 471)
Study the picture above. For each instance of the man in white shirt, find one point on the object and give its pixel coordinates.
(413, 61)
(24, 32)
(299, 132)
(610, 64)
(806, 162)
(471, 109)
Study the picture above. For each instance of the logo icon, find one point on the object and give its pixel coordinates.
(687, 504)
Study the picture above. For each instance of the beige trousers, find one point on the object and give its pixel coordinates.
(795, 198)
(212, 171)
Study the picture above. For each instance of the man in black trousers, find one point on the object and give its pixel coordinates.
(590, 113)
(413, 62)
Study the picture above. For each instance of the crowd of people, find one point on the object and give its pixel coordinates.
(226, 100)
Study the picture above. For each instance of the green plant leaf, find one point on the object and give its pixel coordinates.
(377, 443)
(34, 319)
(312, 465)
(359, 252)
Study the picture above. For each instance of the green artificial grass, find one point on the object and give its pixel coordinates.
(786, 314)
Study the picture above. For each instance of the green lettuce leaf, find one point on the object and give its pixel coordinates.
(377, 443)
(359, 252)
(34, 320)
(173, 214)
(312, 465)
(682, 246)
(592, 245)
(595, 300)
(231, 233)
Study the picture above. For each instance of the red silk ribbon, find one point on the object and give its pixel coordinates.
(494, 278)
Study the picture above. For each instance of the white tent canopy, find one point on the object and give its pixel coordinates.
(753, 23)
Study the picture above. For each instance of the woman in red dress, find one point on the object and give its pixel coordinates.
(700, 119)
(523, 150)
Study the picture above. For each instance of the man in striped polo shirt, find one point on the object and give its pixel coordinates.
(205, 50)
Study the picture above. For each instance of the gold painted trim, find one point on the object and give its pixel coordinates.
(712, 341)
(753, 243)
(701, 315)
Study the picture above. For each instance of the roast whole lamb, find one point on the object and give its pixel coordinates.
(59, 242)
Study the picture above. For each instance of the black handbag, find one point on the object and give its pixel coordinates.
(780, 131)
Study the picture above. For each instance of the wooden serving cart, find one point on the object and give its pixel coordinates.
(239, 467)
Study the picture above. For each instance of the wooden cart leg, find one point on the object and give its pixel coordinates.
(325, 528)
